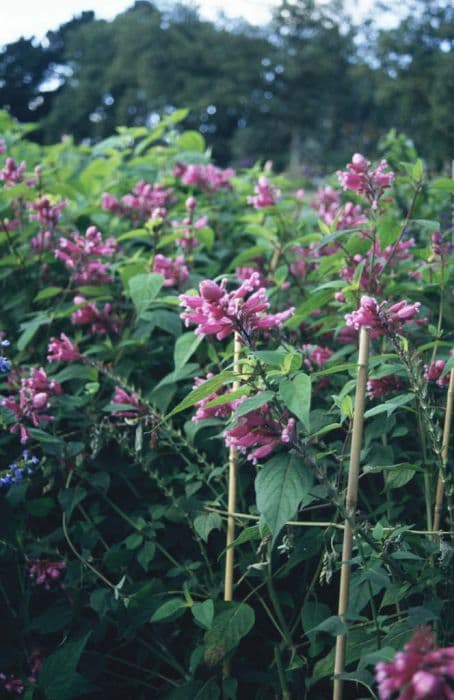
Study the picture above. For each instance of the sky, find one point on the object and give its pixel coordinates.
(32, 18)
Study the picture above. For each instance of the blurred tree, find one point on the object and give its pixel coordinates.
(312, 92)
(311, 87)
(417, 76)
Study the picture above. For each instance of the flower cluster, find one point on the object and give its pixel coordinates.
(81, 256)
(12, 684)
(174, 272)
(380, 319)
(188, 225)
(16, 471)
(63, 350)
(328, 205)
(220, 313)
(11, 173)
(440, 248)
(244, 273)
(47, 213)
(259, 430)
(44, 572)
(316, 355)
(433, 372)
(207, 178)
(121, 398)
(265, 194)
(143, 203)
(15, 685)
(419, 671)
(33, 402)
(101, 321)
(383, 385)
(305, 260)
(359, 177)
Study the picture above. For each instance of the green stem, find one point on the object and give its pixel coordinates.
(281, 674)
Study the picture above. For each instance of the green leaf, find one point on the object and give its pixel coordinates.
(228, 628)
(203, 613)
(74, 371)
(202, 391)
(168, 609)
(282, 484)
(296, 394)
(134, 541)
(146, 555)
(207, 522)
(389, 406)
(47, 293)
(445, 184)
(316, 300)
(40, 507)
(332, 625)
(57, 616)
(185, 347)
(253, 403)
(206, 236)
(58, 675)
(144, 289)
(312, 614)
(191, 141)
(29, 328)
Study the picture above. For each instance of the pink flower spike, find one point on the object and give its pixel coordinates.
(218, 312)
(63, 350)
(418, 672)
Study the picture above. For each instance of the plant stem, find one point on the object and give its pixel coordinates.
(350, 504)
(281, 674)
(444, 454)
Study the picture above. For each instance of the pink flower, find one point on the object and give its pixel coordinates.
(360, 178)
(433, 372)
(12, 684)
(44, 572)
(419, 671)
(11, 173)
(316, 355)
(78, 255)
(265, 194)
(259, 430)
(244, 273)
(32, 402)
(141, 204)
(101, 321)
(63, 350)
(46, 213)
(122, 398)
(306, 260)
(42, 241)
(174, 272)
(208, 178)
(382, 320)
(384, 385)
(220, 313)
(327, 203)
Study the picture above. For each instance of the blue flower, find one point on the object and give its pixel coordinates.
(5, 365)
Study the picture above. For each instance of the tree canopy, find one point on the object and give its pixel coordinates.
(313, 82)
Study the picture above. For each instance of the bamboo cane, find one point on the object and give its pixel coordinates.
(350, 504)
(444, 454)
(231, 502)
